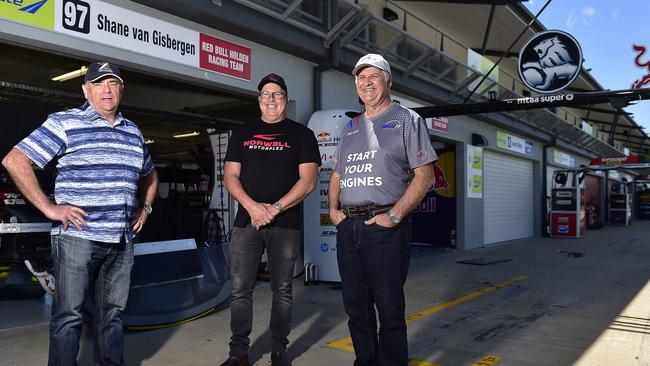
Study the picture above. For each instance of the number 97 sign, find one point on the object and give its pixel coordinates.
(76, 16)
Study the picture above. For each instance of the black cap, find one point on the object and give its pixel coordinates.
(275, 79)
(98, 70)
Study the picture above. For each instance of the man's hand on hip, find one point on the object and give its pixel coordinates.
(337, 216)
(66, 215)
(381, 220)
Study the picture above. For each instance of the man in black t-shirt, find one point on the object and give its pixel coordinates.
(271, 166)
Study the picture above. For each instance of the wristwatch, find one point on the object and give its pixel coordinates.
(392, 217)
(278, 206)
(147, 209)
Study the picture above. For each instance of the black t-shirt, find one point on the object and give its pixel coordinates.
(269, 154)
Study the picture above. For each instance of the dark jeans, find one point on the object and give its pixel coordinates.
(282, 248)
(373, 263)
(77, 263)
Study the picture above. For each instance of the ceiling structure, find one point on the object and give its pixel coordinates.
(489, 30)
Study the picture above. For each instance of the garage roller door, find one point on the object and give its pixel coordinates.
(508, 200)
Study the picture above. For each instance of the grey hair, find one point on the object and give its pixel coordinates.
(386, 76)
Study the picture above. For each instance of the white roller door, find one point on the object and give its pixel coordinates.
(508, 198)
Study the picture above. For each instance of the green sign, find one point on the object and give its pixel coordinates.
(37, 13)
(477, 184)
(502, 139)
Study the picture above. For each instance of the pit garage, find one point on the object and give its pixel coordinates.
(184, 128)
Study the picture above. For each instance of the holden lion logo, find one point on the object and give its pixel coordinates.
(550, 61)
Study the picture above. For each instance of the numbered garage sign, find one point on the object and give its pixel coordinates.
(111, 25)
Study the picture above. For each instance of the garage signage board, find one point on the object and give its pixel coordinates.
(563, 158)
(439, 124)
(111, 25)
(514, 143)
(108, 24)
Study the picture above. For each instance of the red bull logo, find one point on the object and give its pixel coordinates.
(426, 206)
(325, 138)
(440, 179)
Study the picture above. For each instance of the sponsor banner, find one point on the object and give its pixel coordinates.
(440, 124)
(474, 171)
(107, 24)
(563, 158)
(36, 13)
(225, 57)
(514, 143)
(319, 231)
(632, 159)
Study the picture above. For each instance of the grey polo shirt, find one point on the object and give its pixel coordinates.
(376, 156)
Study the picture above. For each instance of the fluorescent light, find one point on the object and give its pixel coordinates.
(189, 134)
(148, 141)
(71, 75)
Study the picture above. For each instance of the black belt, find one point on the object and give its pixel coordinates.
(368, 210)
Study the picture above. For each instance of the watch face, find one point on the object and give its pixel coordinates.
(148, 209)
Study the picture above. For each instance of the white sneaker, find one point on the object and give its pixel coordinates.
(44, 278)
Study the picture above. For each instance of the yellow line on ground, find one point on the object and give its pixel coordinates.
(488, 361)
(414, 362)
(345, 344)
(463, 299)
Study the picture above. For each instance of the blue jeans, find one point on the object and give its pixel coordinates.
(282, 249)
(78, 265)
(373, 262)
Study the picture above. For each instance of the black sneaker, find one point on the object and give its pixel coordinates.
(279, 358)
(236, 361)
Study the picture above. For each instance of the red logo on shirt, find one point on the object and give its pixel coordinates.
(267, 137)
(266, 142)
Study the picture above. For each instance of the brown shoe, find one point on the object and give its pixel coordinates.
(236, 361)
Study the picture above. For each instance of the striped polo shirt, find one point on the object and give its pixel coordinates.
(99, 167)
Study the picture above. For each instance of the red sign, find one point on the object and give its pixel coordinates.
(225, 57)
(440, 124)
(632, 159)
(645, 79)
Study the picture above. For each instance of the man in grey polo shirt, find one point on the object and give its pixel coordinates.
(383, 170)
(102, 162)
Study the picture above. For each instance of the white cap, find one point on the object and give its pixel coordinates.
(372, 59)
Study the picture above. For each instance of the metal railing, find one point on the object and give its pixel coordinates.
(427, 54)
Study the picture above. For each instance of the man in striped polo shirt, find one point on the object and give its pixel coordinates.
(102, 163)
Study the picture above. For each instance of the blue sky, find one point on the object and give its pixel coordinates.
(606, 30)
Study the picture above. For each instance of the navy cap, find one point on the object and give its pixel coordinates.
(98, 70)
(275, 79)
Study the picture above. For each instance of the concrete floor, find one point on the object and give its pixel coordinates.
(543, 307)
